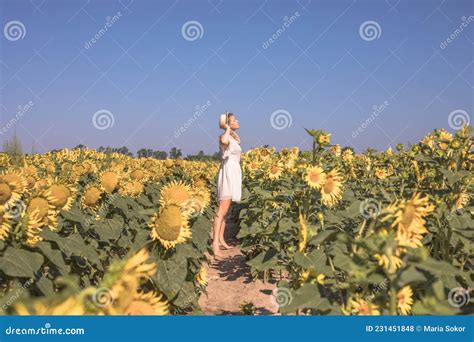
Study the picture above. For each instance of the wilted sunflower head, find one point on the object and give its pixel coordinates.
(170, 225)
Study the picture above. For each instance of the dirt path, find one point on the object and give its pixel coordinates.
(230, 284)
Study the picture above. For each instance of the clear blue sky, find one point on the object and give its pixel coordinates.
(319, 69)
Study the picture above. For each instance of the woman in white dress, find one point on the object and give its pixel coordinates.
(229, 180)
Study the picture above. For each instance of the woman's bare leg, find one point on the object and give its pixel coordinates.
(221, 235)
(224, 206)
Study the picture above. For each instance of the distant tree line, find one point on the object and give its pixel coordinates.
(13, 147)
(174, 153)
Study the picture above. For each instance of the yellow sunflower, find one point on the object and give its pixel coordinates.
(201, 276)
(315, 177)
(8, 196)
(40, 212)
(331, 192)
(138, 175)
(462, 200)
(313, 277)
(347, 155)
(91, 197)
(70, 306)
(324, 139)
(170, 225)
(274, 172)
(109, 181)
(132, 188)
(405, 300)
(381, 173)
(408, 217)
(16, 181)
(336, 150)
(5, 224)
(61, 196)
(175, 191)
(117, 289)
(361, 307)
(303, 233)
(147, 304)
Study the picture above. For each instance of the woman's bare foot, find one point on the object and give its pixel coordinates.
(216, 250)
(224, 245)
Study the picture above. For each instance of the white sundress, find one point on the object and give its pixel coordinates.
(229, 179)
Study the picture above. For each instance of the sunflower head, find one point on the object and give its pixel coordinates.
(315, 177)
(274, 171)
(91, 197)
(109, 181)
(147, 304)
(178, 192)
(170, 225)
(359, 306)
(137, 175)
(61, 196)
(331, 191)
(405, 300)
(5, 224)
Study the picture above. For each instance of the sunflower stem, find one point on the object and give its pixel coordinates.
(393, 297)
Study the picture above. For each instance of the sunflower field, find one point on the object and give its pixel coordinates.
(342, 233)
(83, 232)
(363, 234)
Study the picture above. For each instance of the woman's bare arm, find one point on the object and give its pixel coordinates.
(225, 136)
